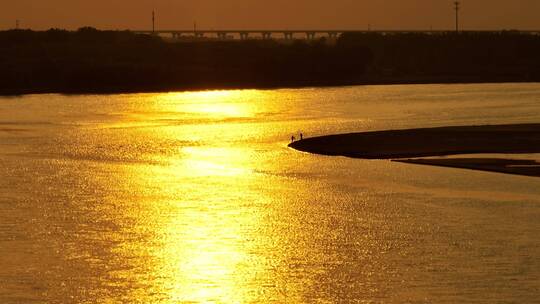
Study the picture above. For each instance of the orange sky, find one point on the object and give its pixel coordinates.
(270, 14)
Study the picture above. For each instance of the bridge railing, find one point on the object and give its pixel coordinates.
(294, 34)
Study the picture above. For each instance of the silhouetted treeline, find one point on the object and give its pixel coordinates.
(89, 60)
(110, 61)
(450, 57)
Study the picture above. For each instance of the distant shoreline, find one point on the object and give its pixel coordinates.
(402, 145)
(307, 84)
(89, 61)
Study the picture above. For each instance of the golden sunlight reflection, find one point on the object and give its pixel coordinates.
(200, 245)
(196, 198)
(206, 259)
(202, 228)
(202, 206)
(204, 255)
(212, 104)
(204, 161)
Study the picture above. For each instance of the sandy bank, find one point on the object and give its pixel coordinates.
(508, 166)
(522, 138)
(415, 143)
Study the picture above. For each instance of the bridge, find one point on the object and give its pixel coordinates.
(288, 34)
(247, 34)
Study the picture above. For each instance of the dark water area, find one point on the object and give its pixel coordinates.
(195, 197)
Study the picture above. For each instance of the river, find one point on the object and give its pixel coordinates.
(194, 197)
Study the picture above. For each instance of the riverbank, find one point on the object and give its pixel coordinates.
(250, 86)
(89, 61)
(429, 142)
(498, 165)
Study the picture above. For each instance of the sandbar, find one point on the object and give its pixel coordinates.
(402, 145)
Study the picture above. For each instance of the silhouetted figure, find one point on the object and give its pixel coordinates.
(293, 138)
(301, 136)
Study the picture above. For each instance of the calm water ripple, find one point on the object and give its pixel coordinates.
(194, 197)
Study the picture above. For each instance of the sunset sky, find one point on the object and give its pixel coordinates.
(265, 14)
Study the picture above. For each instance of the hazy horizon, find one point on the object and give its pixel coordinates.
(277, 14)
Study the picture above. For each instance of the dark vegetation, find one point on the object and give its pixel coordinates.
(451, 57)
(89, 60)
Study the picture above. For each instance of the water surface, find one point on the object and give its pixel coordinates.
(195, 197)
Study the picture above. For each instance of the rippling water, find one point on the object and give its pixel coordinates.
(194, 197)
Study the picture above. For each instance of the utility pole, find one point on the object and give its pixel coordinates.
(17, 24)
(153, 22)
(457, 7)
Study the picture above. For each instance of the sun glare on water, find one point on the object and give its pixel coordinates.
(204, 255)
(213, 104)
